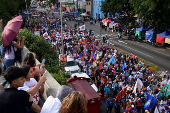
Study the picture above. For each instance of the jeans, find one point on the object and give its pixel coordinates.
(7, 63)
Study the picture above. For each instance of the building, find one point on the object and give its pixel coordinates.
(89, 7)
(96, 9)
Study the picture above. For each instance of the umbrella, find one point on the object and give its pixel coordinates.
(86, 15)
(82, 14)
(11, 30)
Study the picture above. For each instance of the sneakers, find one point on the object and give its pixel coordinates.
(1, 87)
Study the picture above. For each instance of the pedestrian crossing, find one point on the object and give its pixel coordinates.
(109, 35)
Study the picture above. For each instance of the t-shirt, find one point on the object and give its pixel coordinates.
(51, 105)
(29, 85)
(10, 54)
(13, 100)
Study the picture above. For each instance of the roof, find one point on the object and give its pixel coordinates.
(80, 84)
(80, 75)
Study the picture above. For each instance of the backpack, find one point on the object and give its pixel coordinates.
(17, 55)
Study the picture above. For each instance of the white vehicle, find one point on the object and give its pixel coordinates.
(71, 66)
(89, 80)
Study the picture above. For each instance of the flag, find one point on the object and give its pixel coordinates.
(124, 66)
(85, 51)
(165, 91)
(91, 55)
(132, 56)
(156, 110)
(94, 64)
(150, 102)
(138, 85)
(94, 57)
(97, 57)
(100, 65)
(80, 54)
(112, 60)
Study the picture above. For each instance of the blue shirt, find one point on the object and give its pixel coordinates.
(107, 90)
(110, 102)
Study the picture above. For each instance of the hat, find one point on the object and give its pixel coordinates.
(109, 78)
(63, 91)
(146, 110)
(124, 88)
(132, 106)
(169, 107)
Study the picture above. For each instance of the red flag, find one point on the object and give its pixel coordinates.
(91, 55)
(100, 65)
(132, 56)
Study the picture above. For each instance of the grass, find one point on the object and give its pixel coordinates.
(147, 63)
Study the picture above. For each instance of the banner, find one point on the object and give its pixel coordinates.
(150, 102)
(124, 66)
(165, 91)
(82, 28)
(138, 85)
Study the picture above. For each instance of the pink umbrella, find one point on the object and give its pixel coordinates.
(11, 30)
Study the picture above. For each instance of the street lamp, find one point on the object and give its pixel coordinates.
(62, 30)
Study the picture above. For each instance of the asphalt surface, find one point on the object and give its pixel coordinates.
(157, 55)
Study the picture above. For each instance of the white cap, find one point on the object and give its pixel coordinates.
(132, 106)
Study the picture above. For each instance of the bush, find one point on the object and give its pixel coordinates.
(43, 50)
(61, 77)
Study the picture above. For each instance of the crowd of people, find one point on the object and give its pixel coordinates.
(124, 82)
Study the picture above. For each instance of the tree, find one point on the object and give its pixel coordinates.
(9, 8)
(155, 12)
(105, 7)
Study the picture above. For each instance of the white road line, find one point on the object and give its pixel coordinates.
(149, 48)
(122, 41)
(138, 51)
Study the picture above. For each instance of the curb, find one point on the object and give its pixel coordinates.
(153, 68)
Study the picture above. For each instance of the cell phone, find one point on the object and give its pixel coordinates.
(43, 62)
(45, 71)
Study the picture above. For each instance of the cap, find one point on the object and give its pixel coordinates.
(109, 78)
(146, 110)
(132, 106)
(169, 107)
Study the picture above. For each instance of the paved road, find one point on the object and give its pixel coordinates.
(157, 55)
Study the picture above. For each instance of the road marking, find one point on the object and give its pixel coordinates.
(138, 51)
(122, 41)
(149, 48)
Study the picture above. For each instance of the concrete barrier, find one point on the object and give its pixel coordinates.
(51, 85)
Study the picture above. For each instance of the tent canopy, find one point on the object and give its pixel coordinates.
(149, 35)
(142, 29)
(82, 14)
(108, 20)
(86, 15)
(164, 34)
(111, 23)
(117, 25)
(138, 33)
(104, 20)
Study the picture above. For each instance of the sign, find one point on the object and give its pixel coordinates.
(37, 33)
(35, 15)
(74, 4)
(65, 58)
(66, 5)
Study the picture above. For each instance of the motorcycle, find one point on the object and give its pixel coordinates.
(119, 35)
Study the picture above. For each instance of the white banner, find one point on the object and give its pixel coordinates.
(37, 33)
(138, 85)
(82, 28)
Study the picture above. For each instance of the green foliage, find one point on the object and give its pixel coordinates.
(9, 8)
(41, 47)
(153, 11)
(43, 50)
(61, 77)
